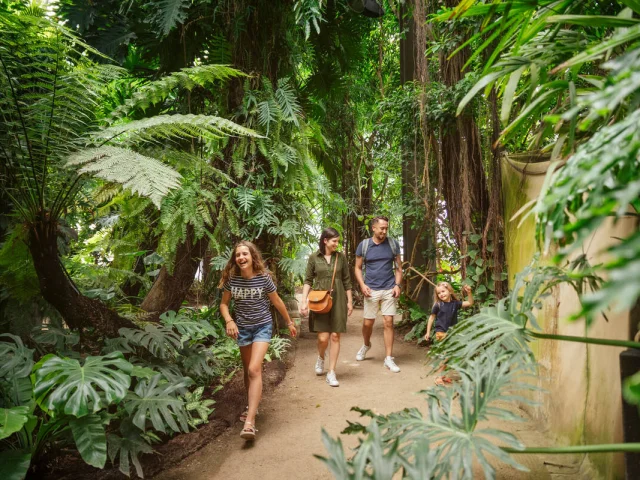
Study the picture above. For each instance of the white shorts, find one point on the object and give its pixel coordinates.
(380, 299)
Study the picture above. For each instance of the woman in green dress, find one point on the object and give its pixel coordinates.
(329, 325)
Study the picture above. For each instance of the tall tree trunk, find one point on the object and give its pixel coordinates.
(59, 290)
(170, 289)
(462, 178)
(416, 186)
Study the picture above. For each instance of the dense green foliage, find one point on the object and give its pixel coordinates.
(566, 83)
(140, 139)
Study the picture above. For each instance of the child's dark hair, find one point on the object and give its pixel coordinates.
(327, 234)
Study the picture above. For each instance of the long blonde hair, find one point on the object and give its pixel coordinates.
(446, 285)
(231, 269)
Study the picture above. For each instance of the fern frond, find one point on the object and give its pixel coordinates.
(143, 175)
(268, 113)
(288, 101)
(187, 78)
(162, 127)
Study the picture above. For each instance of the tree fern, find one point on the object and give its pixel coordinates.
(143, 175)
(187, 78)
(163, 127)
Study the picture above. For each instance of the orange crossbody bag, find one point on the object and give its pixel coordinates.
(320, 301)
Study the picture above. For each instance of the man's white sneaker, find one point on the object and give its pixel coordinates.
(391, 365)
(319, 366)
(332, 380)
(362, 353)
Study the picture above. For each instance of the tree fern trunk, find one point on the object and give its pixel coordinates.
(59, 290)
(170, 289)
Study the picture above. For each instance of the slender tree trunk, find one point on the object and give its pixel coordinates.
(131, 287)
(170, 289)
(59, 290)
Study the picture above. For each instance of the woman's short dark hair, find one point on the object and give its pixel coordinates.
(328, 233)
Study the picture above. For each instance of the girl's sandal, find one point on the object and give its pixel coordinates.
(447, 380)
(439, 381)
(248, 431)
(243, 415)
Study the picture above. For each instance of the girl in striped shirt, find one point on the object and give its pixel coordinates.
(246, 279)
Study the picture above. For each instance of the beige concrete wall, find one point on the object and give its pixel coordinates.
(582, 404)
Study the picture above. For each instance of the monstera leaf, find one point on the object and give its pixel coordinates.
(188, 327)
(17, 360)
(63, 384)
(159, 404)
(90, 439)
(159, 340)
(127, 447)
(12, 420)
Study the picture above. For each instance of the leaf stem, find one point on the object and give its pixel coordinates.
(603, 448)
(595, 341)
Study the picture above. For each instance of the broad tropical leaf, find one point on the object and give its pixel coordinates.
(127, 448)
(158, 404)
(17, 360)
(14, 464)
(166, 14)
(194, 330)
(88, 433)
(161, 341)
(66, 386)
(12, 420)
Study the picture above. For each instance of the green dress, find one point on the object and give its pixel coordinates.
(319, 274)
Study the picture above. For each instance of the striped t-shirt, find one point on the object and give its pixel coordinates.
(251, 299)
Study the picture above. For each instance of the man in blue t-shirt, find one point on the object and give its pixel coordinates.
(380, 286)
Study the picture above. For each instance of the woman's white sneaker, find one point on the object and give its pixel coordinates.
(362, 353)
(391, 365)
(332, 380)
(319, 366)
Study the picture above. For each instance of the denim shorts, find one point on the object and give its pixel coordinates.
(254, 333)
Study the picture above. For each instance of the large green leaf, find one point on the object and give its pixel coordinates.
(14, 464)
(161, 341)
(17, 360)
(127, 447)
(159, 404)
(78, 390)
(90, 439)
(12, 420)
(192, 329)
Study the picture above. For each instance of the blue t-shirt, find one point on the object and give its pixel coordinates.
(446, 314)
(379, 265)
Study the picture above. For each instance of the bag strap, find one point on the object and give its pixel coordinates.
(335, 268)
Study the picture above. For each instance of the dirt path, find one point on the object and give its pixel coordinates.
(291, 418)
